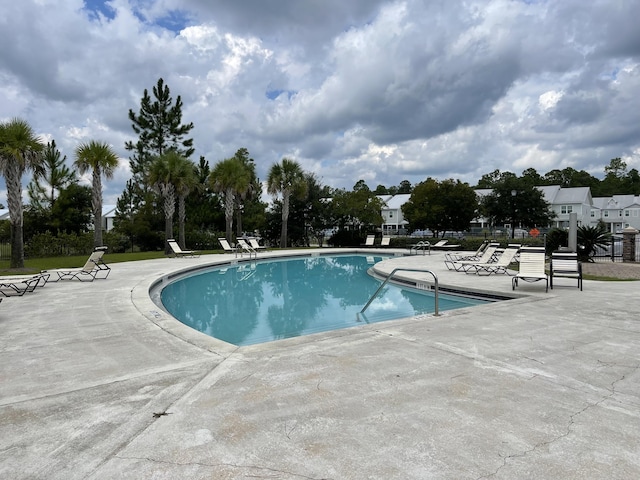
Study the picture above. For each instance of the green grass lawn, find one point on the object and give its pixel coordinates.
(35, 265)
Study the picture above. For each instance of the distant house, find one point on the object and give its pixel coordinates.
(108, 216)
(617, 212)
(393, 221)
(4, 214)
(563, 202)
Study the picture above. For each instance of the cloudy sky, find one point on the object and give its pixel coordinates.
(376, 90)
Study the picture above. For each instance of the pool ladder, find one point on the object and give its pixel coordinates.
(386, 280)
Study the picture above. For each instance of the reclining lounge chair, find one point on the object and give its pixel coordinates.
(501, 265)
(226, 247)
(93, 267)
(12, 287)
(463, 265)
(178, 252)
(244, 247)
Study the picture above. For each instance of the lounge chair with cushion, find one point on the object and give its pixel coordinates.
(94, 268)
(501, 265)
(462, 265)
(244, 247)
(532, 266)
(255, 245)
(565, 264)
(369, 242)
(178, 251)
(386, 241)
(226, 247)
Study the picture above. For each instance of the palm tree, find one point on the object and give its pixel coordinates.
(232, 178)
(286, 178)
(19, 151)
(162, 178)
(102, 160)
(185, 182)
(590, 238)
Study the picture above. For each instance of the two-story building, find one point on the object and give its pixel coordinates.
(393, 221)
(617, 212)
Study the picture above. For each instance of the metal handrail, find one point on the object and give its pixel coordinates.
(386, 280)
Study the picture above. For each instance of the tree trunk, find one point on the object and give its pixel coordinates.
(96, 201)
(182, 215)
(285, 219)
(13, 174)
(228, 213)
(168, 193)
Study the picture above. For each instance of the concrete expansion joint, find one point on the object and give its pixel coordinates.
(256, 470)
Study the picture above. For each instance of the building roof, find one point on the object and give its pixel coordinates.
(395, 201)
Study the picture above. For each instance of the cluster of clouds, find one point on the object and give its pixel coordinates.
(377, 90)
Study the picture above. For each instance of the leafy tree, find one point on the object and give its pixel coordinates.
(231, 178)
(203, 204)
(532, 177)
(53, 176)
(381, 190)
(100, 158)
(441, 206)
(20, 150)
(287, 179)
(488, 180)
(404, 187)
(72, 209)
(159, 128)
(514, 201)
(358, 208)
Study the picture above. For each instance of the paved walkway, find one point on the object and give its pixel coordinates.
(97, 382)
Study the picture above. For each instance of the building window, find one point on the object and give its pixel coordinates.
(566, 209)
(626, 213)
(593, 214)
(390, 214)
(606, 214)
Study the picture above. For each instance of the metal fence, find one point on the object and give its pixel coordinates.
(5, 251)
(613, 253)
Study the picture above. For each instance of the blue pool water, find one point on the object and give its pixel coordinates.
(258, 302)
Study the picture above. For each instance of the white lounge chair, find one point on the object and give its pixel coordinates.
(443, 245)
(226, 247)
(92, 269)
(532, 266)
(463, 265)
(565, 264)
(386, 241)
(255, 245)
(178, 251)
(458, 256)
(369, 242)
(501, 265)
(244, 247)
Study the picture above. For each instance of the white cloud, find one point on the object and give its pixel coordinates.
(375, 89)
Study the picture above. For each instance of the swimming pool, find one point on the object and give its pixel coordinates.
(261, 301)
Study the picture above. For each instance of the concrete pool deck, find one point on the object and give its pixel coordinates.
(96, 382)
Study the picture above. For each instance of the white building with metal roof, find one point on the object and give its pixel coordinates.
(617, 211)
